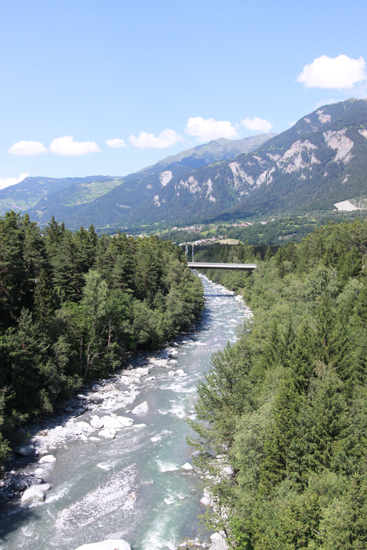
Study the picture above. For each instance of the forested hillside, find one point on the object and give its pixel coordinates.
(73, 305)
(286, 407)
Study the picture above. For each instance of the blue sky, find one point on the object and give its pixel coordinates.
(135, 81)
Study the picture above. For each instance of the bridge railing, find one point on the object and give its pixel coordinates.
(210, 265)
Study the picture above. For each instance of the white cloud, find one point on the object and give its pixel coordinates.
(116, 143)
(257, 124)
(208, 129)
(27, 149)
(165, 139)
(66, 146)
(6, 182)
(340, 72)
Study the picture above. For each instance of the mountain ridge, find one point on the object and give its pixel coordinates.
(321, 160)
(42, 197)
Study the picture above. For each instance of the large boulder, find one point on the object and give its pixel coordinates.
(187, 467)
(107, 433)
(218, 542)
(44, 487)
(82, 428)
(36, 493)
(95, 398)
(125, 421)
(24, 450)
(141, 409)
(106, 545)
(111, 422)
(47, 459)
(96, 422)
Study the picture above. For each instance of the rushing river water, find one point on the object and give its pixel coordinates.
(131, 487)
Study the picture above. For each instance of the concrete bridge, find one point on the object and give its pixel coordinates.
(235, 267)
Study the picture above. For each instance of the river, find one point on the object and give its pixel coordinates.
(131, 487)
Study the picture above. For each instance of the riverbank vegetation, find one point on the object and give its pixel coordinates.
(72, 306)
(286, 406)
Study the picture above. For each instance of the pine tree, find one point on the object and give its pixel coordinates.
(44, 298)
(281, 432)
(13, 272)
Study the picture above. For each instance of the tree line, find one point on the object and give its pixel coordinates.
(286, 406)
(73, 306)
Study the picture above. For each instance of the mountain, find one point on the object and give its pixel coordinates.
(219, 149)
(26, 194)
(319, 162)
(69, 198)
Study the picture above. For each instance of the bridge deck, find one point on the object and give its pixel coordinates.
(208, 265)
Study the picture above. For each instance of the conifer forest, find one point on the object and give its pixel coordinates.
(73, 306)
(285, 408)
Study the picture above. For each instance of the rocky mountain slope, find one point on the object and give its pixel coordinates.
(67, 198)
(320, 161)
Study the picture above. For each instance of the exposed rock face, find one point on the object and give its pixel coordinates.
(342, 144)
(165, 177)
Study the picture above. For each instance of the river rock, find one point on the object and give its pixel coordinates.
(43, 487)
(125, 421)
(106, 545)
(96, 422)
(82, 428)
(24, 450)
(227, 472)
(180, 372)
(187, 467)
(47, 459)
(205, 501)
(111, 422)
(207, 498)
(33, 494)
(95, 398)
(141, 409)
(39, 473)
(81, 397)
(107, 433)
(19, 484)
(142, 371)
(218, 542)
